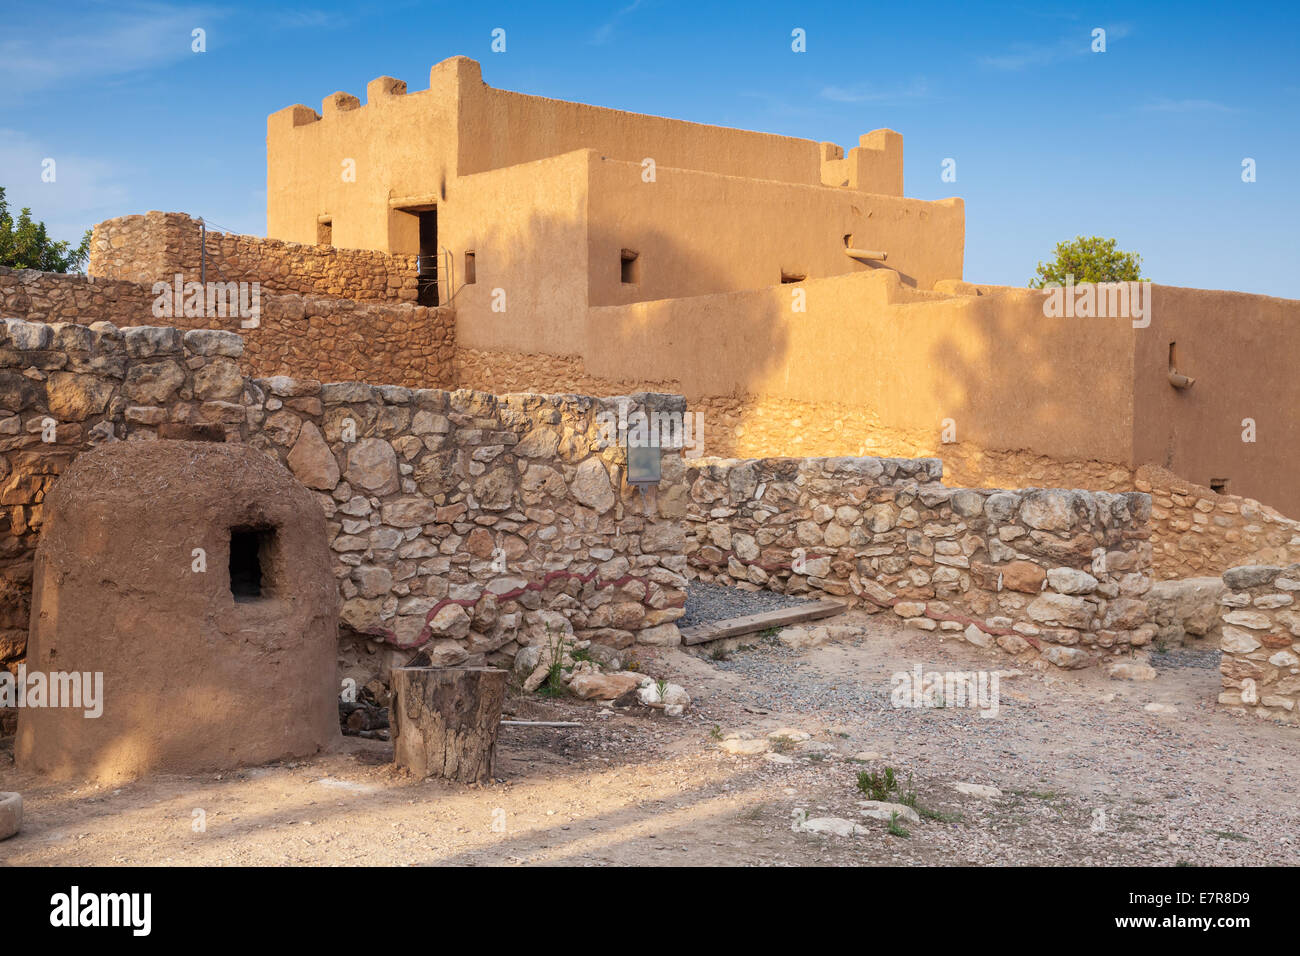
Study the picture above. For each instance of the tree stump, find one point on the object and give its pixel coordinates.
(445, 720)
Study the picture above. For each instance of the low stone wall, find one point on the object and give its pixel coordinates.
(156, 246)
(1062, 573)
(341, 340)
(463, 522)
(1197, 531)
(59, 297)
(307, 336)
(1260, 666)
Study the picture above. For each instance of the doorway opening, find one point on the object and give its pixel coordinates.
(427, 268)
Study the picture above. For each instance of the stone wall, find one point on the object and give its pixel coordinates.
(458, 520)
(1197, 531)
(753, 426)
(1062, 573)
(1194, 530)
(1261, 640)
(308, 336)
(156, 246)
(59, 297)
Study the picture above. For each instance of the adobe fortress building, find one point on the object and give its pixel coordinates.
(567, 206)
(432, 255)
(594, 250)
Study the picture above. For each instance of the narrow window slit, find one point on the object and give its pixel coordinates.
(630, 265)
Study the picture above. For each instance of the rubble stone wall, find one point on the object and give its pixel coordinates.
(1260, 666)
(1194, 530)
(1062, 573)
(307, 336)
(60, 297)
(1197, 531)
(156, 246)
(462, 522)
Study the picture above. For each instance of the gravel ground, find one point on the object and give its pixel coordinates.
(706, 603)
(1207, 658)
(1086, 776)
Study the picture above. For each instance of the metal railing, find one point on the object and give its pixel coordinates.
(428, 275)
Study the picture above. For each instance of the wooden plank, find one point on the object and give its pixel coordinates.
(750, 623)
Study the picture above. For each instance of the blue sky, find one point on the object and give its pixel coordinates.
(1143, 142)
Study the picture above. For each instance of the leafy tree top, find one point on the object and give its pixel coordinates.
(1091, 259)
(24, 244)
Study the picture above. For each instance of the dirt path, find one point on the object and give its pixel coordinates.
(1086, 774)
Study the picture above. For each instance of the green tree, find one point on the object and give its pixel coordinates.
(1093, 259)
(24, 244)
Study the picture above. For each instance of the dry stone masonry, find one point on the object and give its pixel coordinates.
(329, 339)
(1198, 531)
(1260, 641)
(1062, 573)
(158, 245)
(461, 522)
(57, 297)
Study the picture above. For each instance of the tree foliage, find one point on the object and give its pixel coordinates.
(1091, 259)
(24, 244)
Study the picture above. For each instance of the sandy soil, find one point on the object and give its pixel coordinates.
(1086, 774)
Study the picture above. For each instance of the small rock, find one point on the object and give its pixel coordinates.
(977, 790)
(880, 810)
(1131, 670)
(798, 638)
(589, 686)
(790, 734)
(11, 813)
(836, 826)
(740, 747)
(651, 695)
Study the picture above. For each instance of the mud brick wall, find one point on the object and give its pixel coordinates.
(308, 336)
(1260, 666)
(460, 522)
(1062, 573)
(156, 246)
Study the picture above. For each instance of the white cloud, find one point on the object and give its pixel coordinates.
(1023, 56)
(37, 53)
(84, 192)
(605, 32)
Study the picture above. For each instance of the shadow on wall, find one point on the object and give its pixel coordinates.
(1021, 398)
(527, 314)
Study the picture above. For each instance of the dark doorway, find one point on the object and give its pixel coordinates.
(427, 272)
(250, 551)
